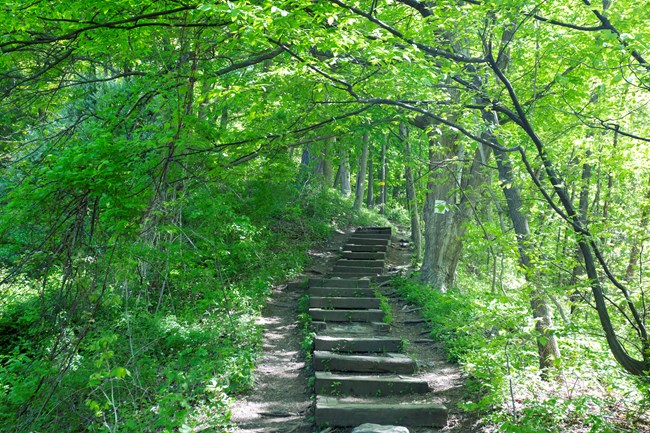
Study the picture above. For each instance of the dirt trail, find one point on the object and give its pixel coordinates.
(280, 401)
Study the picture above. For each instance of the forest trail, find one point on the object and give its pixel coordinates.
(365, 370)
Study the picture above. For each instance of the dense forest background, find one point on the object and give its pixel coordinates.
(164, 164)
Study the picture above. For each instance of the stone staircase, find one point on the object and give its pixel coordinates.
(361, 374)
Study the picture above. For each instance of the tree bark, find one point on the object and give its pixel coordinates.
(370, 200)
(382, 178)
(637, 241)
(344, 174)
(547, 346)
(411, 196)
(451, 187)
(361, 174)
(326, 163)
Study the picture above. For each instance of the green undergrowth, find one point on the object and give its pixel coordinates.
(384, 305)
(305, 327)
(492, 337)
(156, 330)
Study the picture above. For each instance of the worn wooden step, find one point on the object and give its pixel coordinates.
(365, 248)
(360, 240)
(347, 329)
(327, 383)
(364, 256)
(343, 292)
(357, 344)
(379, 263)
(386, 363)
(337, 412)
(368, 274)
(339, 282)
(322, 315)
(344, 303)
(348, 271)
(370, 235)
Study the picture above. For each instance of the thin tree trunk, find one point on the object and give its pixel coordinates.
(637, 243)
(327, 170)
(547, 346)
(382, 178)
(583, 209)
(361, 174)
(370, 201)
(411, 197)
(344, 174)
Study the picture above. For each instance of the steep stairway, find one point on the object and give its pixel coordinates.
(361, 374)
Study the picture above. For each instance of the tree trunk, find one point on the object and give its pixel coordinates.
(344, 174)
(447, 208)
(370, 201)
(382, 178)
(326, 163)
(361, 174)
(411, 196)
(547, 346)
(637, 241)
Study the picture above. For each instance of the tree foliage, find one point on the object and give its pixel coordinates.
(151, 177)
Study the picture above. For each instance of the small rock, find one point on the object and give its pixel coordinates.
(376, 428)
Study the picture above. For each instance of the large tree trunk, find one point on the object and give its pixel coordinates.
(411, 196)
(361, 174)
(447, 208)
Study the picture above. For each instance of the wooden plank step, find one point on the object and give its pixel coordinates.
(368, 274)
(357, 270)
(327, 383)
(357, 344)
(360, 263)
(335, 412)
(346, 329)
(370, 235)
(319, 314)
(344, 303)
(365, 248)
(354, 240)
(364, 255)
(386, 363)
(338, 282)
(343, 292)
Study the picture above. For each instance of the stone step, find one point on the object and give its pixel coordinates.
(357, 344)
(386, 363)
(360, 263)
(364, 256)
(349, 271)
(322, 315)
(327, 383)
(344, 303)
(365, 248)
(356, 240)
(341, 292)
(337, 412)
(338, 282)
(370, 235)
(373, 230)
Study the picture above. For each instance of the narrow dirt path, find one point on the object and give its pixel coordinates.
(281, 402)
